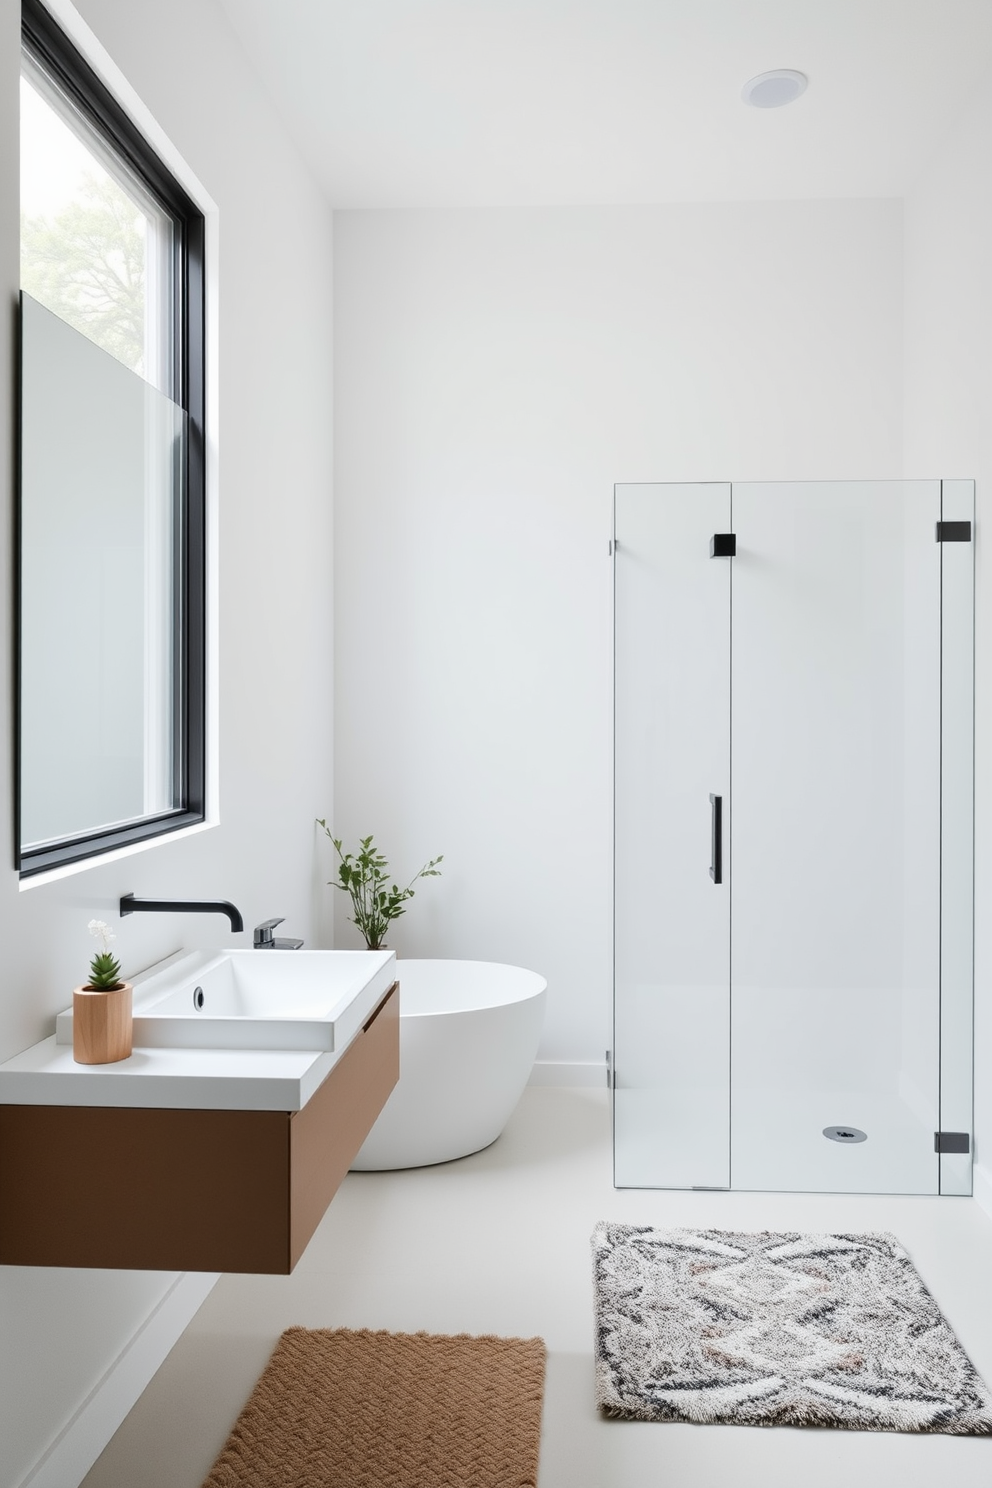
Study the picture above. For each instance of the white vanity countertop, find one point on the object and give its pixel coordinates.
(190, 1079)
(183, 1079)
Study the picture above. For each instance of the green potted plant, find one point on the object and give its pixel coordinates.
(102, 1022)
(364, 876)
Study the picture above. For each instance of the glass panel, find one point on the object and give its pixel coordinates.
(836, 835)
(851, 716)
(96, 248)
(101, 460)
(672, 921)
(957, 811)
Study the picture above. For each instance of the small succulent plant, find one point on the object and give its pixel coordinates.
(365, 877)
(105, 969)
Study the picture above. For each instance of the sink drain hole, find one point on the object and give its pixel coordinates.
(198, 998)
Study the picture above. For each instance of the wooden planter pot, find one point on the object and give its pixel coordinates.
(101, 1025)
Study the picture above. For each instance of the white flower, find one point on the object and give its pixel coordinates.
(102, 931)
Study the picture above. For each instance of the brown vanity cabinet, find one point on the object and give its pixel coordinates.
(189, 1190)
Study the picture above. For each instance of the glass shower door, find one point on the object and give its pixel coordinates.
(835, 964)
(794, 836)
(671, 1047)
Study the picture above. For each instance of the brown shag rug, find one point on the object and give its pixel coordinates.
(336, 1408)
(758, 1329)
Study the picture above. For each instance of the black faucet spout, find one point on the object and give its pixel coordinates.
(131, 905)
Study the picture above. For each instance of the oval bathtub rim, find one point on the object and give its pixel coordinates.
(538, 986)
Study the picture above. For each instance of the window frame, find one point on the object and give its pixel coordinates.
(49, 45)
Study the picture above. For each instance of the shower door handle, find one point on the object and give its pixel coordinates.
(716, 839)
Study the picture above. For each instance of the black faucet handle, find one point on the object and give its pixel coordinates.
(263, 932)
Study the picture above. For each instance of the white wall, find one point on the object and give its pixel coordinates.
(60, 1331)
(948, 321)
(496, 372)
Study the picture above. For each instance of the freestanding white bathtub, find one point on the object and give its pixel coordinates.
(468, 1038)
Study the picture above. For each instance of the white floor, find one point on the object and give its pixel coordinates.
(499, 1242)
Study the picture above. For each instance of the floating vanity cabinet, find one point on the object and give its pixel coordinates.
(138, 1187)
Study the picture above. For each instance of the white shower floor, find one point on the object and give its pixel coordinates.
(778, 1142)
(499, 1242)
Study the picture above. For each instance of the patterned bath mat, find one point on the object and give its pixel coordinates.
(389, 1410)
(723, 1327)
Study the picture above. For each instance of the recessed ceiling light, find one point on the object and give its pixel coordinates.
(772, 89)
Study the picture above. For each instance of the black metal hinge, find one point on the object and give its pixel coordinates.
(951, 1142)
(954, 532)
(723, 545)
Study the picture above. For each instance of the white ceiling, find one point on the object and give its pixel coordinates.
(400, 103)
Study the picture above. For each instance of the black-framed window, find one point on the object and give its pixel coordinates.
(111, 533)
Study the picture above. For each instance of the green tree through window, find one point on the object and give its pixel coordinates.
(87, 265)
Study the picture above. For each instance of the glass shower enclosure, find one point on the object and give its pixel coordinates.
(794, 836)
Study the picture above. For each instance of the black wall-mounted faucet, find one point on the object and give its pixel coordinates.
(131, 905)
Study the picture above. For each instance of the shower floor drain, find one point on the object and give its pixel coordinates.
(845, 1134)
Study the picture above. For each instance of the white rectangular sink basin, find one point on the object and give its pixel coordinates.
(256, 999)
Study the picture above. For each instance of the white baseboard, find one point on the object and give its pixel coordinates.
(73, 1452)
(982, 1190)
(565, 1072)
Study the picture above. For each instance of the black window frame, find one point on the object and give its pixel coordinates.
(45, 40)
